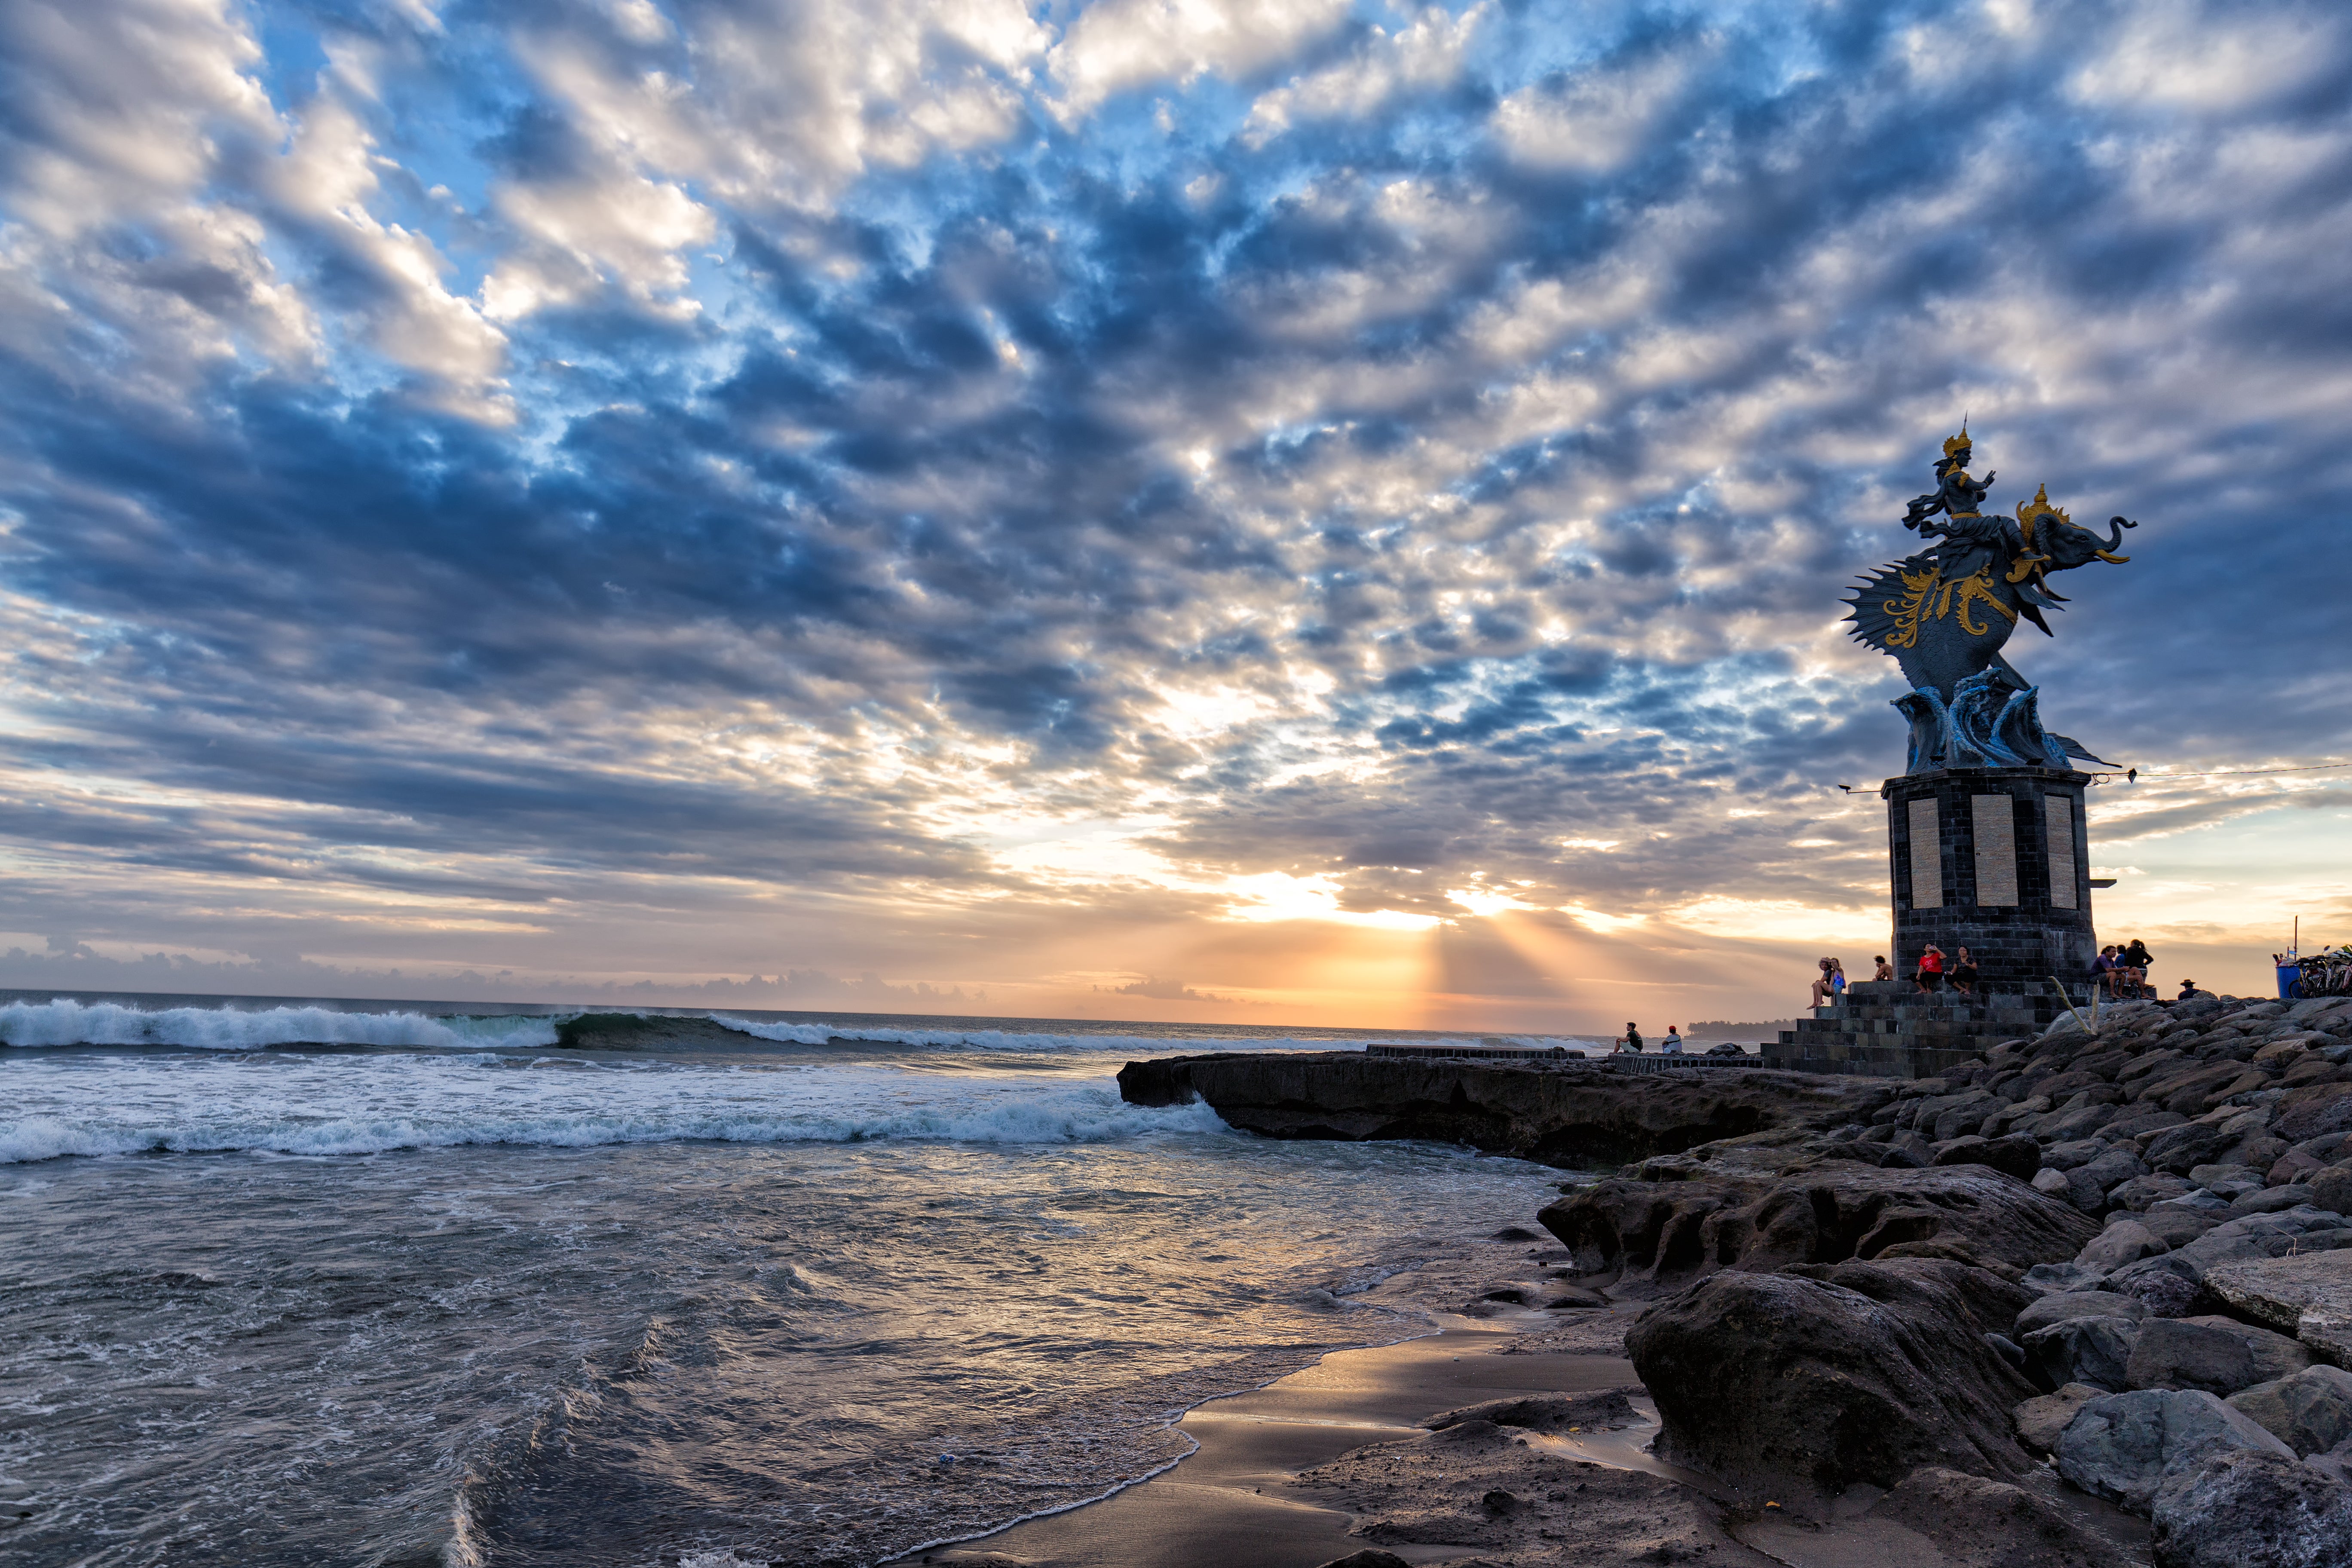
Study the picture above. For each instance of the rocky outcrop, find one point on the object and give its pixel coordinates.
(1795, 1386)
(1640, 1237)
(2251, 1510)
(1567, 1113)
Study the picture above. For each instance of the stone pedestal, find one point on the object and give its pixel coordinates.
(1992, 859)
(1995, 860)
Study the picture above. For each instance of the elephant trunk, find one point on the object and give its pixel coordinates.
(2115, 526)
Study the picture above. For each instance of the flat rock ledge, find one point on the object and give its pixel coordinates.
(2308, 1296)
(1570, 1113)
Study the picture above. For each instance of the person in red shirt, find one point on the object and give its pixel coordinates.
(1931, 969)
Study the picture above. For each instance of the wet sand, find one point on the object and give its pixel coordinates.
(1237, 1501)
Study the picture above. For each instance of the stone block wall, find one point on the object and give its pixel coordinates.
(1997, 860)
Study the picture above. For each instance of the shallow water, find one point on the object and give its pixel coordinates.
(480, 1301)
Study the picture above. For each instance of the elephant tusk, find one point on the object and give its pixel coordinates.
(2118, 559)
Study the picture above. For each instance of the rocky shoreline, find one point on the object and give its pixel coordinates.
(2101, 1269)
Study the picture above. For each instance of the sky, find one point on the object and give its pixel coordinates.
(1288, 512)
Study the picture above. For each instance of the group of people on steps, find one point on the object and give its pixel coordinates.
(2120, 972)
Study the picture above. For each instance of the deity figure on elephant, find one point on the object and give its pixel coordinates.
(1945, 613)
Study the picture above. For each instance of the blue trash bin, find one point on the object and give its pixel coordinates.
(2290, 976)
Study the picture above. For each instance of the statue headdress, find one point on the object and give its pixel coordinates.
(1955, 443)
(2032, 511)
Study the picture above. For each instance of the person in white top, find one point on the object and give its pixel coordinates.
(1672, 1043)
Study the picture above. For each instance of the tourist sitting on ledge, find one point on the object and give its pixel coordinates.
(1964, 974)
(1930, 977)
(1672, 1043)
(1631, 1040)
(2188, 993)
(1837, 979)
(1822, 986)
(1885, 970)
(2135, 959)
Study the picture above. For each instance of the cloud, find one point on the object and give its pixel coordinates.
(1122, 44)
(1161, 991)
(964, 486)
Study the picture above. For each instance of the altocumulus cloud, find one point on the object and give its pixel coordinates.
(953, 490)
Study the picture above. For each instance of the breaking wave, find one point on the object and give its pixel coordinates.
(315, 1124)
(68, 1023)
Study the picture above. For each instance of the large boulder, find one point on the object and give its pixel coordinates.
(1793, 1388)
(2309, 1411)
(2175, 1354)
(2121, 1447)
(2309, 1297)
(2251, 1509)
(2275, 1355)
(1650, 1237)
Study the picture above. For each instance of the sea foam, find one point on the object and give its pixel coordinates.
(68, 1023)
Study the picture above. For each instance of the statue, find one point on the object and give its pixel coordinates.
(1946, 612)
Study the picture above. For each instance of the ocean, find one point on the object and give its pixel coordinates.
(402, 1283)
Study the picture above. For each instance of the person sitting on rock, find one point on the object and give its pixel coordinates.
(1930, 977)
(1837, 979)
(1964, 974)
(1632, 1040)
(2136, 958)
(1672, 1043)
(1822, 983)
(1885, 970)
(2107, 971)
(2188, 993)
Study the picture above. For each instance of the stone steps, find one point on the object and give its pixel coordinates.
(1890, 1029)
